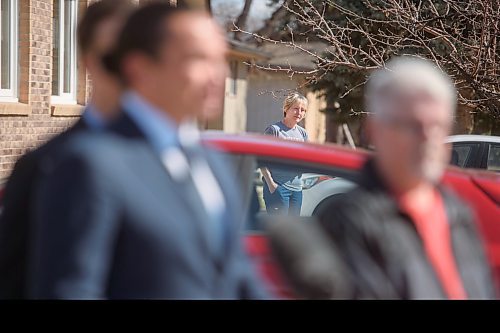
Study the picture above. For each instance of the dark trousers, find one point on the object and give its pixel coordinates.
(282, 201)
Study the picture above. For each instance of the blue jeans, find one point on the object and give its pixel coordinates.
(282, 201)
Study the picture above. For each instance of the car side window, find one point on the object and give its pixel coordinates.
(494, 157)
(288, 188)
(461, 153)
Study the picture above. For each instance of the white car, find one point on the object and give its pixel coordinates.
(475, 151)
(469, 151)
(318, 189)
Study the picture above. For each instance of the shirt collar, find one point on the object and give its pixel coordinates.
(160, 130)
(290, 128)
(189, 134)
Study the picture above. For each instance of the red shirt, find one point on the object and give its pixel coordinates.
(432, 225)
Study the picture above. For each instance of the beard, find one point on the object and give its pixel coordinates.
(431, 162)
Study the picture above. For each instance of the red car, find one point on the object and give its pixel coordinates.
(480, 189)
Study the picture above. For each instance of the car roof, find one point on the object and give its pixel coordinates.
(308, 151)
(473, 138)
(273, 147)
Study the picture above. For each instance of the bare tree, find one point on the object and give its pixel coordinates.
(272, 26)
(459, 36)
(225, 13)
(243, 17)
(230, 13)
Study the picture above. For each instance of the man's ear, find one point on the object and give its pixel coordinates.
(136, 66)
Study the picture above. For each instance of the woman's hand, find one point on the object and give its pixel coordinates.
(271, 184)
(272, 187)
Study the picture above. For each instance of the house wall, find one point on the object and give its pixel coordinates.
(315, 122)
(266, 92)
(33, 120)
(235, 108)
(234, 117)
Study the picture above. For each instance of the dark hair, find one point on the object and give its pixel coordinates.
(143, 33)
(97, 13)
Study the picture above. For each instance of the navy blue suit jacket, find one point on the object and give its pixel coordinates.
(112, 223)
(16, 215)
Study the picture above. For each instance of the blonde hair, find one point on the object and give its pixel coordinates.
(291, 99)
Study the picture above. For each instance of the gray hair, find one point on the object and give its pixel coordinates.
(407, 73)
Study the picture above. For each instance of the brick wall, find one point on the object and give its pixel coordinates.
(33, 120)
(29, 123)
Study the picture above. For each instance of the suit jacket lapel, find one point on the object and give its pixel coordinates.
(189, 198)
(125, 126)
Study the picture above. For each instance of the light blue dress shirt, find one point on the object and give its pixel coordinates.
(160, 130)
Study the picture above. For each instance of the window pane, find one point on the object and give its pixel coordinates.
(494, 158)
(55, 50)
(459, 155)
(462, 153)
(5, 44)
(68, 43)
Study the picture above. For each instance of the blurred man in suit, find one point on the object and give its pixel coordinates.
(97, 31)
(401, 234)
(150, 213)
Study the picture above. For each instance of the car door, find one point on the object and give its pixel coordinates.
(320, 186)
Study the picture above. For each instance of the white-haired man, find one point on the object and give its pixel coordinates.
(400, 234)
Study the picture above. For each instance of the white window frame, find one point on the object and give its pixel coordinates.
(67, 98)
(10, 95)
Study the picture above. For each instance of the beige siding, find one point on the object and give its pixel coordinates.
(265, 100)
(315, 120)
(235, 108)
(264, 107)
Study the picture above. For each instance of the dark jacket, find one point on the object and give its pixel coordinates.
(16, 214)
(111, 222)
(384, 253)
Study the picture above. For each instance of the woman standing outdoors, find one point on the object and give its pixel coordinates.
(283, 188)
